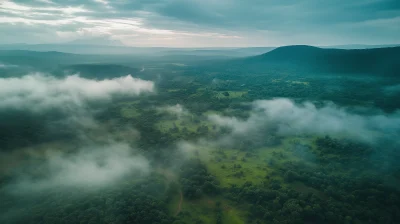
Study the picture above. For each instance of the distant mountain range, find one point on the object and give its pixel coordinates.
(361, 46)
(383, 61)
(79, 47)
(298, 58)
(103, 46)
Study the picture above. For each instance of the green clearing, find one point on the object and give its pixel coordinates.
(230, 94)
(237, 167)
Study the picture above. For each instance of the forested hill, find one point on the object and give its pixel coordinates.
(380, 61)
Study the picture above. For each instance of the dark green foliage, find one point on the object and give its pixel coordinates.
(196, 180)
(126, 203)
(347, 182)
(218, 211)
(347, 148)
(291, 176)
(288, 206)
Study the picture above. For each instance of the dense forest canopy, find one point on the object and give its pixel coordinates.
(296, 135)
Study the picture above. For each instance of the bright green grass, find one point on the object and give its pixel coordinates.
(232, 94)
(225, 172)
(255, 166)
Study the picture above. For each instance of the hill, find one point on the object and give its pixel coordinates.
(94, 47)
(38, 59)
(382, 61)
(100, 71)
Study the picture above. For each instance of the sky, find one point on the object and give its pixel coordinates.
(201, 23)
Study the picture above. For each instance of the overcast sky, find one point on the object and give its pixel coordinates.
(202, 23)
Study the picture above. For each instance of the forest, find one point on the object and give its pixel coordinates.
(96, 139)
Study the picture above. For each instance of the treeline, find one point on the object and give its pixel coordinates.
(196, 181)
(129, 202)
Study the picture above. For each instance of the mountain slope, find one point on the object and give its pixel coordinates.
(383, 61)
(100, 71)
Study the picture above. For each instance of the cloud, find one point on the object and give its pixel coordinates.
(283, 117)
(104, 3)
(177, 110)
(92, 166)
(46, 108)
(194, 23)
(100, 157)
(38, 92)
(68, 22)
(12, 7)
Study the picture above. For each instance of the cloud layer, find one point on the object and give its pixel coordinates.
(285, 118)
(97, 160)
(38, 92)
(190, 23)
(93, 166)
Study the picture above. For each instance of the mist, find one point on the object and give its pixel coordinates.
(37, 92)
(284, 117)
(177, 110)
(90, 167)
(63, 107)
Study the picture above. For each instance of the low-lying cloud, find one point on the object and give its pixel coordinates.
(177, 110)
(93, 166)
(283, 117)
(38, 92)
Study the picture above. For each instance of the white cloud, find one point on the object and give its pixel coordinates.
(284, 117)
(39, 92)
(94, 166)
(104, 3)
(46, 1)
(135, 29)
(9, 6)
(177, 110)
